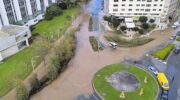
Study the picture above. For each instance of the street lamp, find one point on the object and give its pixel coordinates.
(32, 61)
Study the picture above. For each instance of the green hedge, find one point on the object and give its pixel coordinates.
(163, 53)
(94, 43)
(178, 38)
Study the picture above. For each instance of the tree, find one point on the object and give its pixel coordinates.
(21, 90)
(63, 5)
(52, 11)
(123, 28)
(141, 31)
(145, 26)
(151, 20)
(34, 82)
(115, 21)
(107, 18)
(52, 72)
(41, 48)
(136, 29)
(143, 19)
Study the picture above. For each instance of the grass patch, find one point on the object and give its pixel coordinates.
(178, 38)
(94, 43)
(128, 43)
(90, 28)
(109, 93)
(163, 53)
(57, 25)
(18, 65)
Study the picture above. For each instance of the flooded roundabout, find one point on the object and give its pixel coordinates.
(113, 81)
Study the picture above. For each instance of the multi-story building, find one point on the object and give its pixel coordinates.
(156, 9)
(25, 13)
(22, 12)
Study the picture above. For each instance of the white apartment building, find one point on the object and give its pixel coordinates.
(156, 9)
(23, 12)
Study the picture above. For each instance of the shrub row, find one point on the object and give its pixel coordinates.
(128, 43)
(57, 63)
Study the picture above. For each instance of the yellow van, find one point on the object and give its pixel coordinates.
(163, 81)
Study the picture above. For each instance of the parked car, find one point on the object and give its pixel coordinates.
(174, 26)
(178, 33)
(113, 45)
(173, 37)
(177, 50)
(163, 81)
(164, 95)
(153, 70)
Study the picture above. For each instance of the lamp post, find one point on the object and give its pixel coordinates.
(32, 61)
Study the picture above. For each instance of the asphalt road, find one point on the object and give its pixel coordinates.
(172, 72)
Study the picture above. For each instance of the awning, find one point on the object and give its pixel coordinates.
(130, 25)
(128, 20)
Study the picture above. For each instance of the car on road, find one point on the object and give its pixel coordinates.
(174, 26)
(173, 37)
(178, 33)
(113, 45)
(177, 50)
(153, 70)
(163, 81)
(164, 95)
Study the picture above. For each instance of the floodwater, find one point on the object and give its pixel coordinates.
(76, 80)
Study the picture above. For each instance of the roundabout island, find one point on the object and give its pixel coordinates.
(126, 82)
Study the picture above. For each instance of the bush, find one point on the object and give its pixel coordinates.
(128, 43)
(21, 91)
(178, 38)
(90, 28)
(123, 28)
(61, 56)
(151, 20)
(52, 11)
(136, 29)
(35, 84)
(145, 26)
(94, 43)
(141, 31)
(107, 18)
(63, 5)
(163, 53)
(143, 19)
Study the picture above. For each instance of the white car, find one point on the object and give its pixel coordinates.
(172, 37)
(113, 45)
(153, 70)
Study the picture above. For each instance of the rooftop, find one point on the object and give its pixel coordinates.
(11, 30)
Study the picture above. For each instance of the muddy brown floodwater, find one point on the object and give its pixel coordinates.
(76, 80)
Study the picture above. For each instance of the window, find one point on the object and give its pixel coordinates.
(142, 9)
(148, 5)
(130, 9)
(115, 5)
(155, 4)
(137, 5)
(149, 0)
(137, 9)
(123, 5)
(116, 0)
(130, 5)
(115, 10)
(148, 10)
(155, 0)
(154, 9)
(159, 9)
(160, 5)
(142, 5)
(123, 0)
(122, 9)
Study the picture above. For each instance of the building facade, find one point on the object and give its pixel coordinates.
(156, 9)
(22, 12)
(13, 38)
